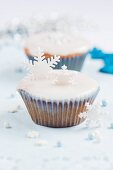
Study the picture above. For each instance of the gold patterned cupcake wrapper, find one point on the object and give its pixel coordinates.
(54, 113)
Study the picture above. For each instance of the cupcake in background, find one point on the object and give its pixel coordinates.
(70, 47)
(55, 98)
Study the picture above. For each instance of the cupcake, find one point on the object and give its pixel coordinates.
(71, 48)
(55, 98)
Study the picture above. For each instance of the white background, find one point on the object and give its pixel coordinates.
(99, 12)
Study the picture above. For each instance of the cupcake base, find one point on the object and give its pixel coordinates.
(56, 114)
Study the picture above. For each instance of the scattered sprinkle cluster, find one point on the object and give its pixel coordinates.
(95, 114)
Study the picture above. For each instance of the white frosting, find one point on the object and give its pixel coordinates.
(57, 43)
(45, 89)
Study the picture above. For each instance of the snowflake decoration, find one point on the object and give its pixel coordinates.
(43, 68)
(64, 77)
(94, 114)
(64, 67)
(40, 66)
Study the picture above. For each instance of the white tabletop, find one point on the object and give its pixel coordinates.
(75, 151)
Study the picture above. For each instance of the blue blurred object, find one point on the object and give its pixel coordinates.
(107, 58)
(107, 69)
(96, 53)
(104, 103)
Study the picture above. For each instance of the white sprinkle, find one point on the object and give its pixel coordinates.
(41, 143)
(95, 114)
(64, 67)
(111, 125)
(83, 115)
(96, 136)
(7, 125)
(104, 103)
(33, 134)
(91, 136)
(14, 110)
(12, 96)
(59, 144)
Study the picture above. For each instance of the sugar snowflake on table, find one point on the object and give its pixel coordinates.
(41, 66)
(94, 114)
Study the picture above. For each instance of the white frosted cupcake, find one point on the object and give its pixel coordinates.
(55, 98)
(71, 48)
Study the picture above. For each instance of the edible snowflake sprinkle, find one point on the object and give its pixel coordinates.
(111, 125)
(94, 114)
(7, 125)
(15, 109)
(104, 103)
(41, 143)
(64, 77)
(40, 66)
(95, 136)
(64, 67)
(33, 134)
(59, 144)
(12, 96)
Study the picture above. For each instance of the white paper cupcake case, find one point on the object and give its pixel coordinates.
(56, 113)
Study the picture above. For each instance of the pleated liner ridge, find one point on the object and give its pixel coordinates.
(55, 114)
(73, 63)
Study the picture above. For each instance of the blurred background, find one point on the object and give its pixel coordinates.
(98, 14)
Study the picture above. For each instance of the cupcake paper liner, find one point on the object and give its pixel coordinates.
(72, 63)
(58, 114)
